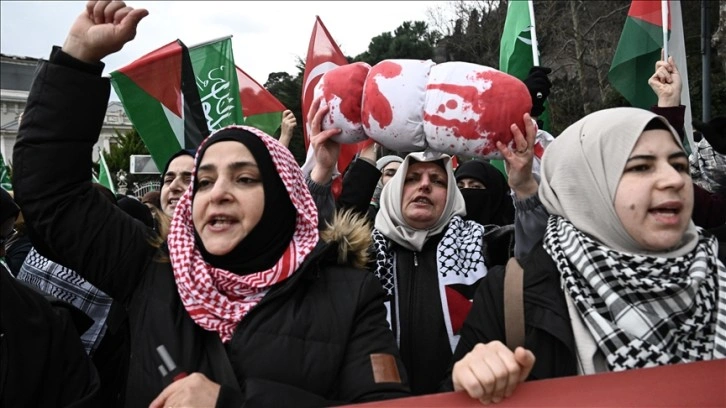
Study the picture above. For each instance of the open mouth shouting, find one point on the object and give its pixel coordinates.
(667, 212)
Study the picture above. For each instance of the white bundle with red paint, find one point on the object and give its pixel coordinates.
(342, 90)
(413, 105)
(470, 107)
(393, 103)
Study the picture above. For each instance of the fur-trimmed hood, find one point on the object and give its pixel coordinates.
(351, 233)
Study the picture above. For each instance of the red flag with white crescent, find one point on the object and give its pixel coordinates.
(323, 55)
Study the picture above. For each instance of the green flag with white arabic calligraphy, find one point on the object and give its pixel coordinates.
(515, 52)
(5, 175)
(216, 77)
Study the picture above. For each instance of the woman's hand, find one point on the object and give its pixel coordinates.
(102, 29)
(490, 372)
(325, 150)
(195, 390)
(518, 162)
(666, 83)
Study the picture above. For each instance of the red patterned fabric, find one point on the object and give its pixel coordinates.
(217, 299)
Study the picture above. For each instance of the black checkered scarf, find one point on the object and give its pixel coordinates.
(643, 311)
(459, 260)
(458, 253)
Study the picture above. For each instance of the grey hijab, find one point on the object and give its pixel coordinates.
(581, 170)
(390, 221)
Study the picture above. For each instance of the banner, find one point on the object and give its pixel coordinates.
(160, 98)
(699, 384)
(216, 77)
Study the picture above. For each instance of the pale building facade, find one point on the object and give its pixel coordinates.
(16, 76)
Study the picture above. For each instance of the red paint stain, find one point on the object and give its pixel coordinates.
(377, 105)
(496, 108)
(451, 104)
(346, 82)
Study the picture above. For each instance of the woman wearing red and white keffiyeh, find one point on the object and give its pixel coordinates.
(241, 233)
(257, 307)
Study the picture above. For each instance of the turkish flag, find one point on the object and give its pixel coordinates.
(324, 55)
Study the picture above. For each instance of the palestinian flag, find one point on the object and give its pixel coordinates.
(216, 78)
(161, 99)
(259, 107)
(638, 50)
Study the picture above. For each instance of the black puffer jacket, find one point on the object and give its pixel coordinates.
(314, 339)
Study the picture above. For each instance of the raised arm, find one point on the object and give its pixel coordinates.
(530, 218)
(287, 126)
(68, 220)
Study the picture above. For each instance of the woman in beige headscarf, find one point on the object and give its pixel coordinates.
(429, 260)
(623, 278)
(427, 257)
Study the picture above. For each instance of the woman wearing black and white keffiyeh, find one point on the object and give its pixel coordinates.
(623, 278)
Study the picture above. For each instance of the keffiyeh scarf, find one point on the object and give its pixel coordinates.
(460, 263)
(641, 310)
(217, 299)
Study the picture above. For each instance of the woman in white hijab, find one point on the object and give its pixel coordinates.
(623, 278)
(427, 257)
(429, 260)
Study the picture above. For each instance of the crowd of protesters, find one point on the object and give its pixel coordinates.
(244, 282)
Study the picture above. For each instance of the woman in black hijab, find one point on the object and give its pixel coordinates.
(485, 191)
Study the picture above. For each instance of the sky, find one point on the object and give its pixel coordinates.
(267, 36)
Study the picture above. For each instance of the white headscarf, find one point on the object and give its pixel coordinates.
(581, 170)
(390, 221)
(381, 164)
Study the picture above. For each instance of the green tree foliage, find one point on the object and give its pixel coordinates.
(288, 90)
(119, 155)
(577, 39)
(411, 40)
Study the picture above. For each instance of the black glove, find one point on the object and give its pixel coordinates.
(714, 132)
(539, 88)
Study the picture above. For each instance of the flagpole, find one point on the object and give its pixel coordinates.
(535, 47)
(664, 20)
(705, 63)
(210, 42)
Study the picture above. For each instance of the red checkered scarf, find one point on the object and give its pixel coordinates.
(217, 299)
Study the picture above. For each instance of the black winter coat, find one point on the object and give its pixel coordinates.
(42, 360)
(548, 331)
(310, 342)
